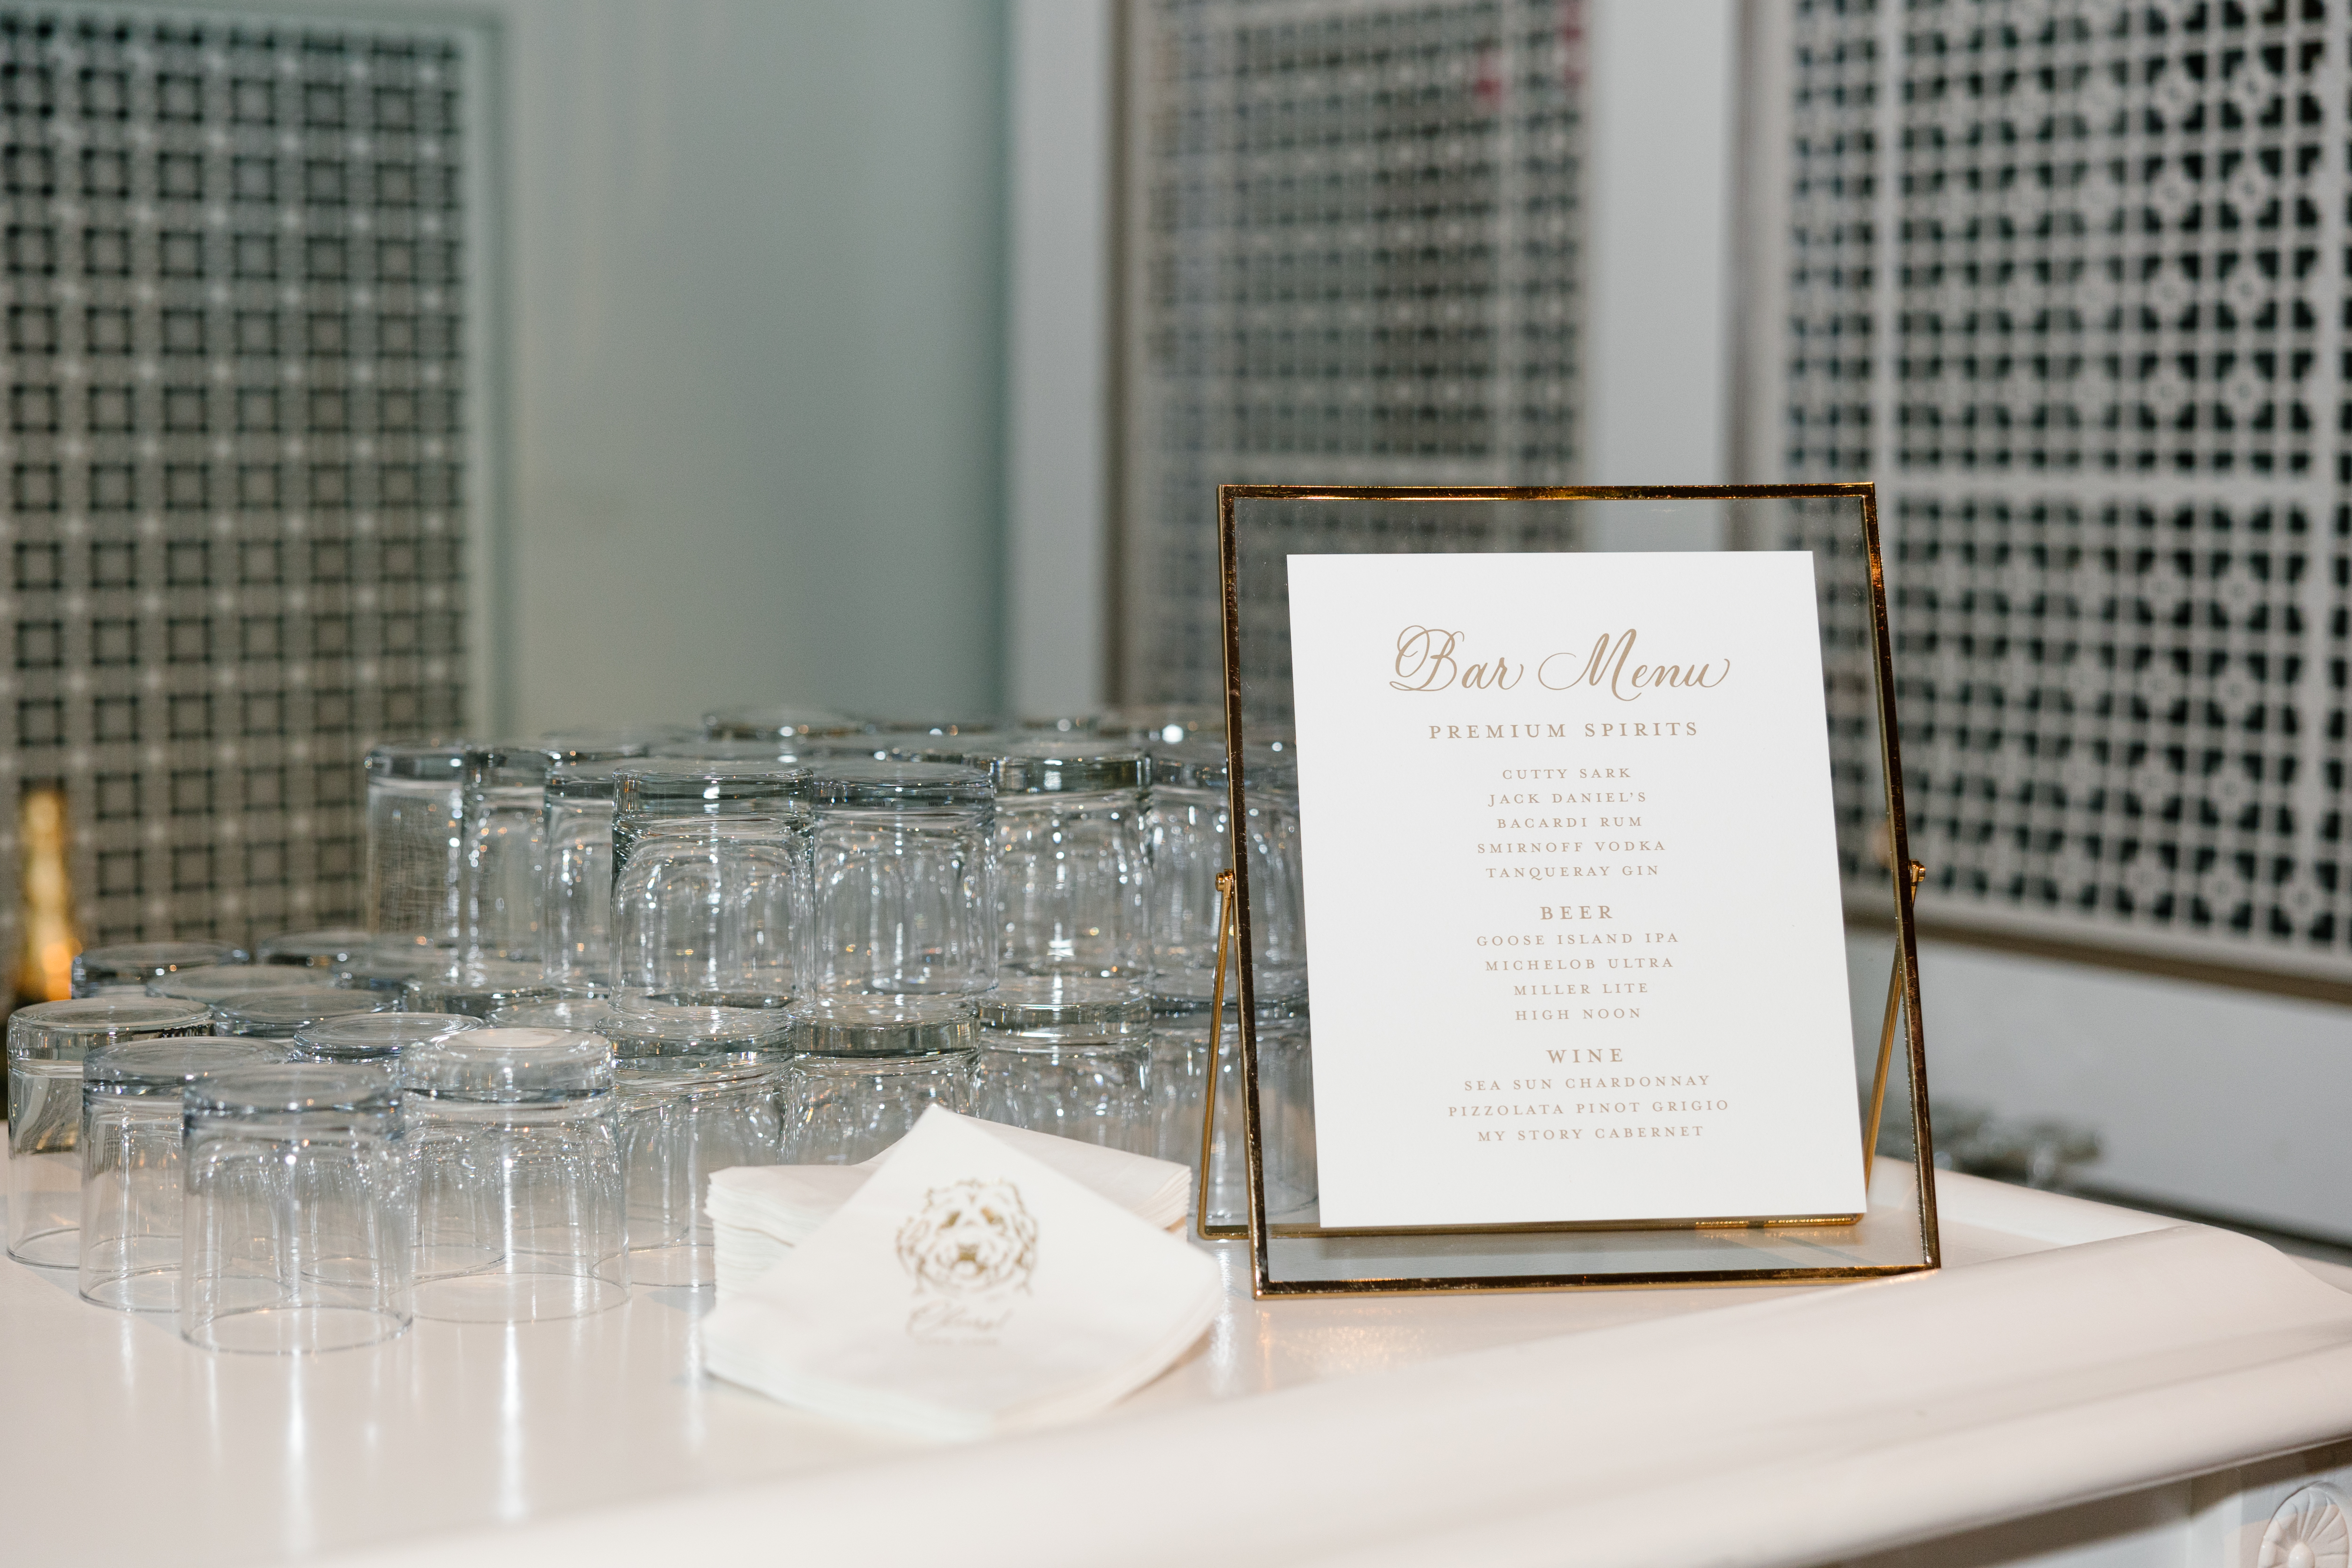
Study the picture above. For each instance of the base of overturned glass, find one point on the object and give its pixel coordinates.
(504, 1296)
(296, 1329)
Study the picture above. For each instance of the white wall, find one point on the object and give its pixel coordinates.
(2221, 1101)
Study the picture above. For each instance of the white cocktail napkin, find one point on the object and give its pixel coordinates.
(964, 1290)
(760, 1213)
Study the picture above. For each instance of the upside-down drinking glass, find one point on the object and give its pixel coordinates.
(681, 1117)
(380, 1037)
(1071, 871)
(786, 721)
(221, 982)
(521, 1209)
(867, 1067)
(46, 1044)
(131, 1171)
(1189, 825)
(300, 1210)
(505, 800)
(280, 1014)
(1181, 1062)
(709, 881)
(327, 950)
(415, 842)
(477, 990)
(1068, 1055)
(577, 896)
(125, 971)
(903, 880)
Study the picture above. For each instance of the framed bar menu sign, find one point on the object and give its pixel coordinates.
(1574, 784)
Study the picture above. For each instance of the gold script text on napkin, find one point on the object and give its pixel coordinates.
(1429, 658)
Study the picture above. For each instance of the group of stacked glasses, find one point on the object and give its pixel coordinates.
(599, 967)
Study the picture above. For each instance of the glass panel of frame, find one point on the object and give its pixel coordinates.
(1272, 1190)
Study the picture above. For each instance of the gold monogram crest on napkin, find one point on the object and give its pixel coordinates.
(964, 1290)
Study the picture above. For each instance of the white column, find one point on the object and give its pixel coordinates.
(1658, 345)
(1056, 501)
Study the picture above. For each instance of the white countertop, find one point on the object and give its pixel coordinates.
(118, 1440)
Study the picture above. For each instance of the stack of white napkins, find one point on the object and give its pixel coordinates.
(760, 1213)
(966, 1289)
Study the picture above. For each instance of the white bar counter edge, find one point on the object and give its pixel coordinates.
(2069, 1352)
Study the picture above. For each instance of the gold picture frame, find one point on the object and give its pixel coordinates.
(1290, 1253)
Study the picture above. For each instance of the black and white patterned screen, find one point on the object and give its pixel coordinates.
(1355, 256)
(235, 347)
(2068, 280)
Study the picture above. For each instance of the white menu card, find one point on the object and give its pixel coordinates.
(1573, 924)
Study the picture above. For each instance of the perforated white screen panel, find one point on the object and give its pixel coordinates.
(2068, 280)
(235, 351)
(1354, 237)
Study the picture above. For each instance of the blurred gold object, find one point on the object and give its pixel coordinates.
(44, 966)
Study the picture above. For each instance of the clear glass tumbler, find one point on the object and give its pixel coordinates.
(280, 1015)
(125, 971)
(1072, 871)
(505, 871)
(220, 983)
(505, 810)
(903, 878)
(416, 842)
(131, 1175)
(601, 745)
(374, 1037)
(387, 971)
(681, 1117)
(300, 1209)
(791, 751)
(577, 898)
(642, 1026)
(844, 1109)
(1189, 825)
(47, 1043)
(709, 881)
(948, 726)
(590, 1015)
(477, 990)
(1178, 1083)
(1068, 1055)
(330, 950)
(521, 1207)
(698, 1091)
(1165, 723)
(785, 721)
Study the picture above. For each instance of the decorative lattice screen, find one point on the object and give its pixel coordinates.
(235, 364)
(2068, 280)
(1355, 240)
